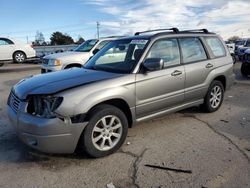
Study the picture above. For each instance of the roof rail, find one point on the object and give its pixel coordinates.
(196, 30)
(174, 29)
(113, 36)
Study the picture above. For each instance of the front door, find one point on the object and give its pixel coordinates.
(162, 89)
(6, 49)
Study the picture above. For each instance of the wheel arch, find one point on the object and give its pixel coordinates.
(72, 65)
(18, 51)
(119, 103)
(222, 79)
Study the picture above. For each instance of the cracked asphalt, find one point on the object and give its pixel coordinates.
(215, 147)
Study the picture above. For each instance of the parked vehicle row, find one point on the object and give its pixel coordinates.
(75, 58)
(13, 50)
(129, 80)
(241, 49)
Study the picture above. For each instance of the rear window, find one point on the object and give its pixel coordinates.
(216, 46)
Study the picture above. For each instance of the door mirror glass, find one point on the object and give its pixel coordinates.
(153, 64)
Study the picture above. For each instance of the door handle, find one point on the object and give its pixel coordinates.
(209, 65)
(176, 73)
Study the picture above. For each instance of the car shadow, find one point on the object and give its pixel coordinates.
(12, 150)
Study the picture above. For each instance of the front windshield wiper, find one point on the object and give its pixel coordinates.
(90, 68)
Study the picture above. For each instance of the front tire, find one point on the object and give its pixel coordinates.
(106, 131)
(19, 57)
(214, 97)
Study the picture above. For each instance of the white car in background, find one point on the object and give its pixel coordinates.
(76, 58)
(231, 48)
(13, 50)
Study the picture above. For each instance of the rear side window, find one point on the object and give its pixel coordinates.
(192, 50)
(166, 49)
(216, 46)
(4, 41)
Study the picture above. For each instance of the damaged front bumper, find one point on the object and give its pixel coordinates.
(47, 135)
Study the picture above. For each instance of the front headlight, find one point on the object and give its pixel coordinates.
(58, 62)
(55, 62)
(43, 106)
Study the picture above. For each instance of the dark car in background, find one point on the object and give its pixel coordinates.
(245, 66)
(241, 49)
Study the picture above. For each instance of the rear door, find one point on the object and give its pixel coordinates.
(197, 67)
(6, 49)
(160, 90)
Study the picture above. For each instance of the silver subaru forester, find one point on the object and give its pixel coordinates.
(130, 80)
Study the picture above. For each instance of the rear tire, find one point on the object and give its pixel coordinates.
(214, 97)
(19, 57)
(244, 70)
(106, 131)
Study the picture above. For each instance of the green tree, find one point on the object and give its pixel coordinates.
(234, 38)
(58, 38)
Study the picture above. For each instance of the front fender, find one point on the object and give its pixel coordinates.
(81, 99)
(124, 92)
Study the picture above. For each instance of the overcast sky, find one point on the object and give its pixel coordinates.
(118, 17)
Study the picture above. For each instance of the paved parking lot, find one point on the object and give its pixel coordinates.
(213, 148)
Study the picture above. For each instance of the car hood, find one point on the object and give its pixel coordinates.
(55, 82)
(247, 51)
(66, 55)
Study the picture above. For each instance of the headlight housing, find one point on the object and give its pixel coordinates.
(55, 62)
(43, 105)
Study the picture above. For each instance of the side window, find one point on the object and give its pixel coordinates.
(166, 49)
(4, 41)
(216, 46)
(101, 44)
(192, 50)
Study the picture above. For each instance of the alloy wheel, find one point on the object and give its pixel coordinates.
(107, 132)
(215, 96)
(19, 57)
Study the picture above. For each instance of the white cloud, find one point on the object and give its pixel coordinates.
(227, 17)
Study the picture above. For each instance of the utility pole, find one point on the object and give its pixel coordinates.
(27, 39)
(97, 28)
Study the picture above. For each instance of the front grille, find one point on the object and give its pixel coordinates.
(45, 61)
(247, 57)
(45, 71)
(14, 102)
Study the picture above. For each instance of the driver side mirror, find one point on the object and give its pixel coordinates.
(153, 64)
(95, 51)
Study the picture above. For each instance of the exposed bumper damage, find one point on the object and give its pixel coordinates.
(47, 135)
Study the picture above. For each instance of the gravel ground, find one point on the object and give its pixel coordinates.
(214, 149)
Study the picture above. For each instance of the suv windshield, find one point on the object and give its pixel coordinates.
(86, 46)
(247, 43)
(119, 56)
